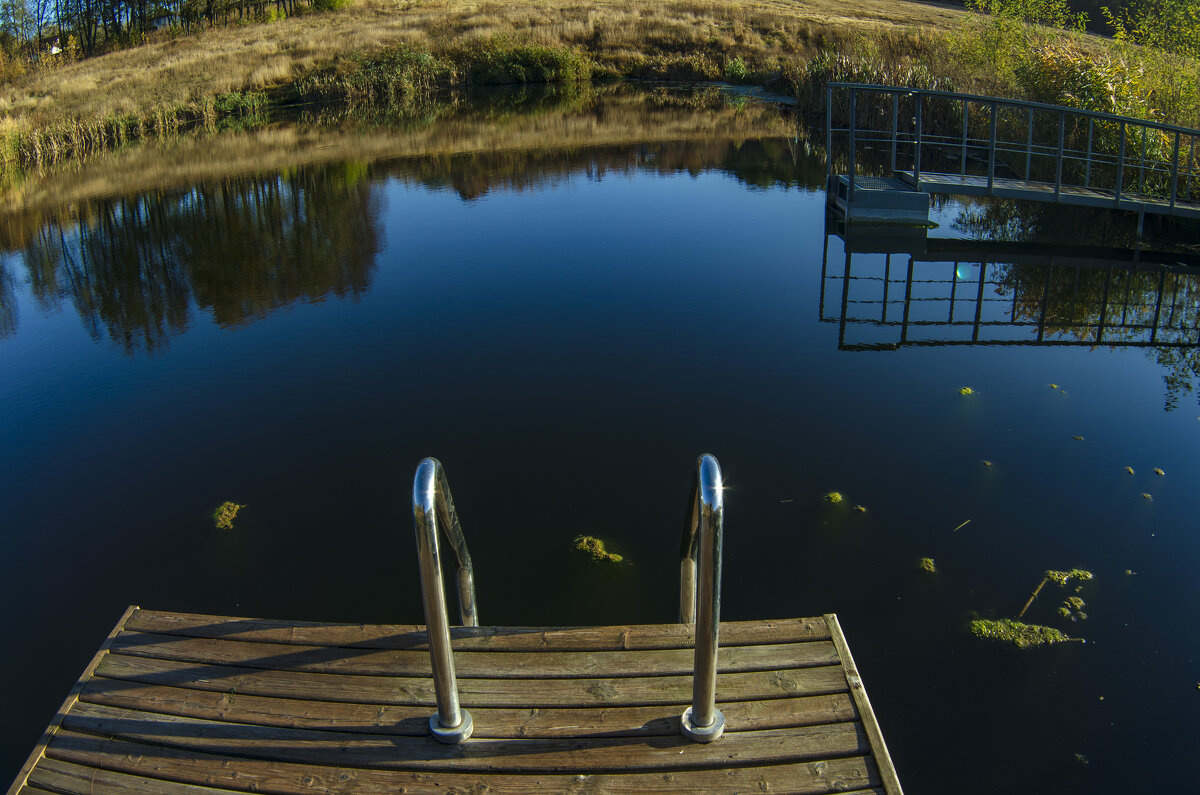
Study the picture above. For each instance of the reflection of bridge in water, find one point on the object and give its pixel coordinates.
(893, 292)
(902, 144)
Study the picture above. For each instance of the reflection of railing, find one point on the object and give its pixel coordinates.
(433, 508)
(962, 293)
(700, 559)
(944, 142)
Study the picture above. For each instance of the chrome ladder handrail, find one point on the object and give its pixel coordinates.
(433, 508)
(700, 554)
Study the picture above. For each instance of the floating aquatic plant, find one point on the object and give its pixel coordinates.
(927, 564)
(225, 514)
(1074, 602)
(834, 497)
(860, 508)
(597, 549)
(1023, 636)
(966, 390)
(1061, 577)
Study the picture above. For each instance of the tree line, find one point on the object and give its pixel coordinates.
(70, 29)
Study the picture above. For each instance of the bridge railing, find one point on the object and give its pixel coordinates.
(1049, 147)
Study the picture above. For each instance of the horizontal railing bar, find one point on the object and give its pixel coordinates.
(1016, 103)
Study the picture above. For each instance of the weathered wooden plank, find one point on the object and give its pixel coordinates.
(38, 749)
(404, 636)
(288, 778)
(469, 664)
(527, 693)
(73, 779)
(489, 723)
(887, 771)
(423, 753)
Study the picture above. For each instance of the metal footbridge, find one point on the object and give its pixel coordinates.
(892, 147)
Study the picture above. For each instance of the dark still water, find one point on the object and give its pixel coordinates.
(567, 326)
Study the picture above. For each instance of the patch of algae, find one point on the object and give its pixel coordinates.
(225, 514)
(1023, 636)
(1061, 577)
(596, 548)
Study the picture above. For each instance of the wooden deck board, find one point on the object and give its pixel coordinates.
(414, 691)
(406, 636)
(412, 721)
(182, 704)
(468, 664)
(287, 778)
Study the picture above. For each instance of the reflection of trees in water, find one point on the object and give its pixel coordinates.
(1002, 219)
(1156, 306)
(241, 248)
(764, 163)
(8, 303)
(1133, 297)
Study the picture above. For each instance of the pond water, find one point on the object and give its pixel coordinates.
(567, 307)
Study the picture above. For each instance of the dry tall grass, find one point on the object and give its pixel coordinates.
(170, 74)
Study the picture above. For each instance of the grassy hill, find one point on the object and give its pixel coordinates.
(396, 51)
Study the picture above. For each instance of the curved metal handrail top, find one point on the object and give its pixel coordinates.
(1016, 103)
(431, 497)
(712, 488)
(425, 483)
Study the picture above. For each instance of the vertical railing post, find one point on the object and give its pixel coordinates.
(1087, 174)
(895, 128)
(1175, 172)
(1142, 162)
(1104, 304)
(433, 509)
(1045, 301)
(1029, 147)
(953, 291)
(701, 553)
(962, 167)
(1187, 195)
(917, 144)
(828, 130)
(1120, 169)
(1058, 160)
(991, 177)
(979, 301)
(853, 122)
(908, 284)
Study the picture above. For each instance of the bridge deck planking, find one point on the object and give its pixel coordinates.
(179, 703)
(1031, 190)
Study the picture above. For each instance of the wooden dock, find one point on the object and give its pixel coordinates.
(179, 703)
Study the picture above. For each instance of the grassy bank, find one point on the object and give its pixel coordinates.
(402, 52)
